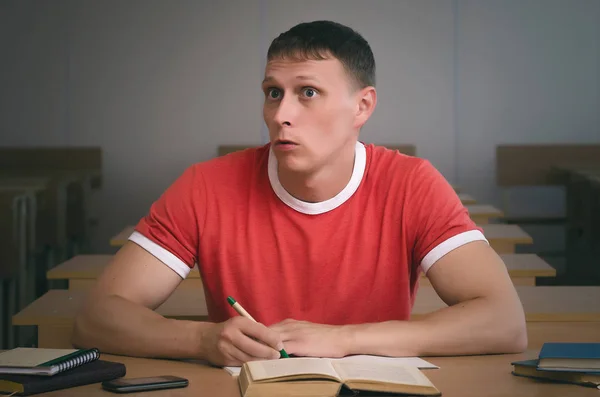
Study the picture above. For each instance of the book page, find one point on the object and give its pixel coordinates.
(366, 359)
(270, 369)
(30, 357)
(385, 373)
(369, 359)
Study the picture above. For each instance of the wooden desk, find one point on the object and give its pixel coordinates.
(523, 269)
(542, 303)
(120, 239)
(582, 228)
(482, 213)
(54, 312)
(466, 199)
(467, 376)
(82, 271)
(504, 238)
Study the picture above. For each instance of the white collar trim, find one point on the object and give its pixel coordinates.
(360, 161)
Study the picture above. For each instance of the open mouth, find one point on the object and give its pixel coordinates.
(284, 142)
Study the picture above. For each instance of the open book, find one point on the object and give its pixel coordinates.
(325, 377)
(366, 359)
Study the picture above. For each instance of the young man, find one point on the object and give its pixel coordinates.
(320, 237)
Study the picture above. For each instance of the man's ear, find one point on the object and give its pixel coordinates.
(366, 102)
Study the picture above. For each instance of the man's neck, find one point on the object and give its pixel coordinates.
(322, 185)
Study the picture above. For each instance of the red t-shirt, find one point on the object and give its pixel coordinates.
(355, 258)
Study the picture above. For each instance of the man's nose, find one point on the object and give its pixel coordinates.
(286, 111)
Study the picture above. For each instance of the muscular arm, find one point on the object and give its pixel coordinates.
(484, 314)
(118, 315)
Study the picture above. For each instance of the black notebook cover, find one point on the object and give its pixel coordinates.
(94, 372)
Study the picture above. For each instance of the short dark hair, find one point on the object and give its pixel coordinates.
(322, 39)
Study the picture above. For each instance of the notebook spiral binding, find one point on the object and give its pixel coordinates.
(79, 360)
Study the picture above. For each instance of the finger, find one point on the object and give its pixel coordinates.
(294, 348)
(253, 348)
(262, 333)
(286, 325)
(239, 356)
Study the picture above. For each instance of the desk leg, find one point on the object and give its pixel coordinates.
(11, 309)
(22, 273)
(31, 268)
(61, 221)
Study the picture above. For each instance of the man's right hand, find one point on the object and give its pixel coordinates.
(238, 340)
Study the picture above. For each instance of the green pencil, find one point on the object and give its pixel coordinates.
(242, 312)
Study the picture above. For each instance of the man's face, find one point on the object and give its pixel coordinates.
(310, 110)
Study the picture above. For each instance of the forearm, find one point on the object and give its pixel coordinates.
(116, 325)
(479, 326)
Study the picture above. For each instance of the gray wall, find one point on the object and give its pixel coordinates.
(160, 84)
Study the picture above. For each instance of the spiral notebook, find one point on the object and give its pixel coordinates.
(44, 362)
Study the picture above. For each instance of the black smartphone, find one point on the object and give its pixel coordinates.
(129, 385)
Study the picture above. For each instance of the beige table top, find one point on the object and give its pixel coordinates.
(542, 303)
(466, 376)
(90, 267)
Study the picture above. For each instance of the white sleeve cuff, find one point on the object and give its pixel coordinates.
(166, 257)
(446, 246)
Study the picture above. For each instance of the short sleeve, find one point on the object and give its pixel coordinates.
(437, 218)
(170, 230)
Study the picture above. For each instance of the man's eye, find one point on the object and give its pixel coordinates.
(273, 93)
(309, 92)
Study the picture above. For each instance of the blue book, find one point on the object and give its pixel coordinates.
(528, 369)
(572, 356)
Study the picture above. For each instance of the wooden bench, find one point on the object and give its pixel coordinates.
(54, 312)
(82, 271)
(482, 213)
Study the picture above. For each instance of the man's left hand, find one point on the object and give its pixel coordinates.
(303, 338)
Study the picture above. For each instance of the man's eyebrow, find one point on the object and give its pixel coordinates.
(314, 78)
(268, 79)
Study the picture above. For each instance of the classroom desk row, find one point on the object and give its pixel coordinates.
(54, 312)
(82, 271)
(503, 238)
